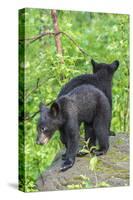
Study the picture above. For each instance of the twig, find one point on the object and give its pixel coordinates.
(38, 84)
(31, 116)
(34, 38)
(75, 43)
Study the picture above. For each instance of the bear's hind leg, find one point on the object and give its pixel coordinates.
(89, 135)
(102, 135)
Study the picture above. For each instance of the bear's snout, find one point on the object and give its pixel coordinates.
(42, 139)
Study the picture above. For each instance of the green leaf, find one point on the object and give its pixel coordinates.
(103, 184)
(93, 163)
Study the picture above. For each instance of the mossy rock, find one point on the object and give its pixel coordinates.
(112, 169)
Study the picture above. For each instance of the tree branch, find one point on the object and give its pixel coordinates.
(33, 39)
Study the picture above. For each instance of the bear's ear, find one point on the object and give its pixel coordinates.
(55, 109)
(95, 66)
(93, 63)
(114, 65)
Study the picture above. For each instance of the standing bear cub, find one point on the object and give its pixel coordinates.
(101, 78)
(83, 104)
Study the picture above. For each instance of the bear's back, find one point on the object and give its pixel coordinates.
(84, 101)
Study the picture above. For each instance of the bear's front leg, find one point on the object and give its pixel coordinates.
(72, 132)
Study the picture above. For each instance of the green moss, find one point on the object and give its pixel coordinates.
(119, 141)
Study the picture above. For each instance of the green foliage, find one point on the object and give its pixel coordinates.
(93, 163)
(84, 183)
(103, 184)
(104, 36)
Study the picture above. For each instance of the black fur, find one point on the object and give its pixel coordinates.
(83, 104)
(102, 79)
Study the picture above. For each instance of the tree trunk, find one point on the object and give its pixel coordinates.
(58, 36)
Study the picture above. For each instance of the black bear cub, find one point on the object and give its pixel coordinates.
(83, 104)
(101, 78)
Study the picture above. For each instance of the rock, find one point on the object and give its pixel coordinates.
(112, 169)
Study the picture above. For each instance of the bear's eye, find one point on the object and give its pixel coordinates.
(44, 129)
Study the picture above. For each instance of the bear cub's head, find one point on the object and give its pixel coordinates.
(111, 68)
(48, 122)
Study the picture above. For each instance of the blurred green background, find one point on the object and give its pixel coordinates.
(105, 37)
